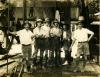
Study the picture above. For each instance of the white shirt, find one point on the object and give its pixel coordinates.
(45, 30)
(55, 31)
(25, 36)
(1, 36)
(37, 31)
(81, 35)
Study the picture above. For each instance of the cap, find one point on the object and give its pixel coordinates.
(38, 20)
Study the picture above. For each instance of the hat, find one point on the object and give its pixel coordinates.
(47, 20)
(39, 20)
(55, 21)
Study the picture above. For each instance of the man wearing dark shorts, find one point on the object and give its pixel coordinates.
(55, 37)
(39, 47)
(46, 34)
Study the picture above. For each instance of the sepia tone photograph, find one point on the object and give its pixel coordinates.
(49, 38)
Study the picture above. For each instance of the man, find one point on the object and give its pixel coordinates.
(55, 37)
(25, 36)
(39, 45)
(45, 30)
(66, 44)
(81, 36)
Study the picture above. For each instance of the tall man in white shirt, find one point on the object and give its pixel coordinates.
(45, 30)
(55, 37)
(39, 45)
(25, 36)
(81, 35)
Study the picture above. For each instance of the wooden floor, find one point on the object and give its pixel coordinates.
(91, 69)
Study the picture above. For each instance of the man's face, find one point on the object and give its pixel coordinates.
(47, 23)
(39, 24)
(79, 26)
(56, 24)
(26, 26)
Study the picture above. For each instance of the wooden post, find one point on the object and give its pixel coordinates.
(99, 45)
(24, 10)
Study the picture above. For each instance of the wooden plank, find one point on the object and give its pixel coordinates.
(89, 68)
(56, 74)
(3, 70)
(1, 56)
(97, 68)
(3, 62)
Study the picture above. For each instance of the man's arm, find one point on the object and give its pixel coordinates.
(13, 33)
(91, 35)
(73, 42)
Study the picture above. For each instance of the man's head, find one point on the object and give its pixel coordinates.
(47, 21)
(39, 22)
(80, 25)
(27, 26)
(80, 22)
(56, 23)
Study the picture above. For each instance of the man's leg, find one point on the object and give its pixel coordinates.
(75, 64)
(25, 57)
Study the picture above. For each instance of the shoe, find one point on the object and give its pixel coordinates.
(66, 63)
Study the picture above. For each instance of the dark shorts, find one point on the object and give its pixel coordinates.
(46, 43)
(54, 43)
(42, 43)
(39, 43)
(83, 48)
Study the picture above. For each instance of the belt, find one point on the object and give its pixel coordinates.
(26, 45)
(83, 42)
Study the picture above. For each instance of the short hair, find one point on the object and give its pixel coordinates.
(26, 24)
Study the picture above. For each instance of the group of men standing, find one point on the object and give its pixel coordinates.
(48, 40)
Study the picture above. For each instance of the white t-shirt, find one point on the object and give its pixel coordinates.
(56, 31)
(37, 31)
(25, 36)
(45, 30)
(81, 35)
(1, 36)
